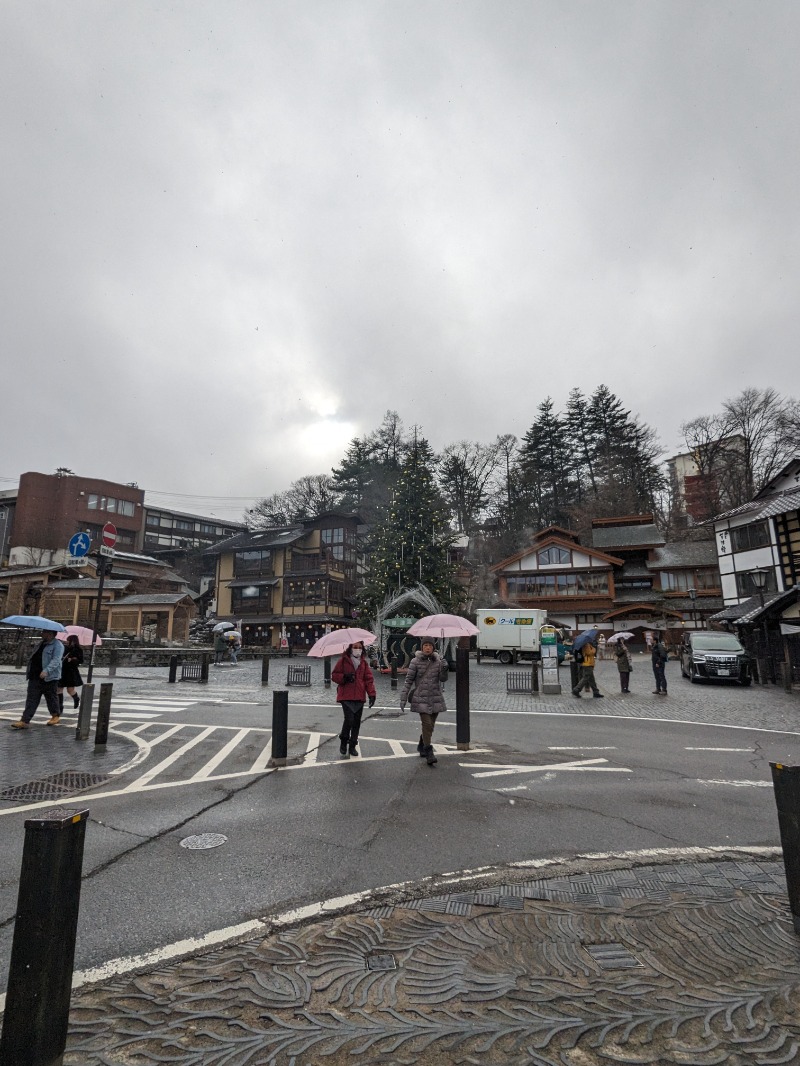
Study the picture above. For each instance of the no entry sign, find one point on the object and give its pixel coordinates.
(109, 535)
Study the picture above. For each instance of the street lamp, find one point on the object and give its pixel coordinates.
(693, 598)
(759, 578)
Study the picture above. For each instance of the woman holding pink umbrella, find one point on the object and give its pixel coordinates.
(70, 675)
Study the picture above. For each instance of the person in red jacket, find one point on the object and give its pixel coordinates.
(354, 683)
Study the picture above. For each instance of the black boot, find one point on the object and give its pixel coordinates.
(353, 749)
(421, 745)
(430, 756)
(76, 700)
(61, 703)
(343, 748)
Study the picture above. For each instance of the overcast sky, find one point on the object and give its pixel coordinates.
(235, 233)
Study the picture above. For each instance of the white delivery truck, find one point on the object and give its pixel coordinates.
(509, 635)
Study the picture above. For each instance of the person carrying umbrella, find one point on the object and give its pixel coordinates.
(70, 675)
(423, 685)
(354, 683)
(220, 646)
(587, 652)
(44, 670)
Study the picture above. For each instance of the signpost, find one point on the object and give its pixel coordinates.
(548, 641)
(108, 540)
(79, 545)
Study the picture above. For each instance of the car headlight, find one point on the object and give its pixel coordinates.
(698, 658)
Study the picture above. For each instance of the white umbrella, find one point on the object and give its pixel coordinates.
(337, 642)
(443, 625)
(220, 627)
(620, 636)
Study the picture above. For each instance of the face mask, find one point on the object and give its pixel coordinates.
(356, 653)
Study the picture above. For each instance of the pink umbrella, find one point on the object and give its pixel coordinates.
(339, 641)
(83, 634)
(443, 625)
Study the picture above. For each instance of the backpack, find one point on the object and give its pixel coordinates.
(578, 655)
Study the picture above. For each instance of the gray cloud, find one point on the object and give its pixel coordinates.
(236, 234)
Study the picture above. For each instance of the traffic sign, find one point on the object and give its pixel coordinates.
(109, 535)
(108, 552)
(79, 545)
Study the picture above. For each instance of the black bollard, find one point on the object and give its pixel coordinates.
(85, 713)
(394, 671)
(280, 725)
(112, 663)
(103, 716)
(462, 699)
(535, 675)
(204, 661)
(43, 950)
(786, 784)
(326, 671)
(265, 669)
(173, 669)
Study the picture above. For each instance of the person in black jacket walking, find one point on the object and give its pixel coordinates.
(659, 656)
(70, 674)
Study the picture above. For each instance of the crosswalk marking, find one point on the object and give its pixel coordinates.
(156, 770)
(220, 756)
(262, 761)
(584, 764)
(312, 748)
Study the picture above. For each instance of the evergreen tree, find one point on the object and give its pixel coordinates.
(411, 541)
(543, 470)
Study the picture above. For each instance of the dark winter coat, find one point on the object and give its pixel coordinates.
(424, 684)
(73, 658)
(354, 682)
(659, 653)
(623, 659)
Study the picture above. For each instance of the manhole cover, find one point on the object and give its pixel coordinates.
(203, 841)
(67, 783)
(612, 956)
(381, 962)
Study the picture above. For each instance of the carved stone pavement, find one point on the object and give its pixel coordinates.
(692, 963)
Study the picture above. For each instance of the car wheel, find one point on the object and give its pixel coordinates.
(504, 657)
(746, 681)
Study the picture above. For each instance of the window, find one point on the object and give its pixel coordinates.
(574, 584)
(206, 528)
(92, 501)
(127, 508)
(183, 523)
(300, 593)
(255, 563)
(253, 599)
(683, 580)
(111, 504)
(153, 520)
(753, 536)
(745, 586)
(554, 555)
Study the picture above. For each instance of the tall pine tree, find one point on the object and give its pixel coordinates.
(412, 539)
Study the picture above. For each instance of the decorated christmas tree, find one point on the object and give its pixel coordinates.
(412, 538)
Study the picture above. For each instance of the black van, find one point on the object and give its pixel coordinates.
(709, 655)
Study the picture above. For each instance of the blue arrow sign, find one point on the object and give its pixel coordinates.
(79, 545)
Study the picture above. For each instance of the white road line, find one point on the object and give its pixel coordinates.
(397, 747)
(513, 788)
(141, 782)
(261, 762)
(221, 755)
(312, 748)
(738, 784)
(585, 764)
(720, 749)
(579, 747)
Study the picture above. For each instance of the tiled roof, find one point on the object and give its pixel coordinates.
(751, 609)
(632, 536)
(88, 584)
(151, 599)
(767, 507)
(262, 538)
(684, 553)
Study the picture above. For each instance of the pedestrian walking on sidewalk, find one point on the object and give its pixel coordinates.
(423, 686)
(70, 674)
(587, 655)
(44, 670)
(354, 684)
(659, 656)
(234, 644)
(624, 665)
(220, 647)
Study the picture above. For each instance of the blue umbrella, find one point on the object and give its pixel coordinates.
(32, 621)
(589, 637)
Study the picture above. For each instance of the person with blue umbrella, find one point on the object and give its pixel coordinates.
(43, 673)
(584, 649)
